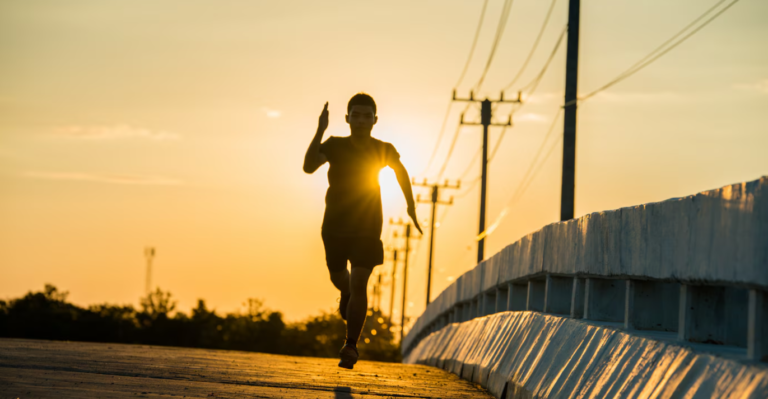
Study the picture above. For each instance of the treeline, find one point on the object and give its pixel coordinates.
(48, 315)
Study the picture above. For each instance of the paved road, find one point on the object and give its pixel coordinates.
(33, 369)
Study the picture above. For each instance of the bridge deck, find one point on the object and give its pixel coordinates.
(31, 368)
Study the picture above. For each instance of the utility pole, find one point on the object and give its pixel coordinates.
(405, 272)
(378, 294)
(435, 201)
(392, 298)
(567, 192)
(486, 115)
(149, 254)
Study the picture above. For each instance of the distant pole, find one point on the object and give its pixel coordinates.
(485, 118)
(149, 254)
(486, 115)
(435, 201)
(392, 298)
(567, 192)
(378, 294)
(405, 278)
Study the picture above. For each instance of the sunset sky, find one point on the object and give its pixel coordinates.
(183, 125)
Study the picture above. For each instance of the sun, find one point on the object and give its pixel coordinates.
(391, 194)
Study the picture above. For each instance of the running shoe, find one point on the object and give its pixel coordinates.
(349, 356)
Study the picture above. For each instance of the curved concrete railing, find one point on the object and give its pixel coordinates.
(693, 268)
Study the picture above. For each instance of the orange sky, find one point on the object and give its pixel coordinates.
(183, 125)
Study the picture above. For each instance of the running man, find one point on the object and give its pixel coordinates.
(353, 217)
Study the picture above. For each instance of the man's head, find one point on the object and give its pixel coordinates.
(361, 114)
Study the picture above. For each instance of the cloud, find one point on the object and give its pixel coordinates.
(761, 86)
(111, 178)
(114, 132)
(271, 113)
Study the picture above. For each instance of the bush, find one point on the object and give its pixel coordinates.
(48, 315)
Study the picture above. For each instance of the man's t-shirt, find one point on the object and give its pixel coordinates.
(353, 200)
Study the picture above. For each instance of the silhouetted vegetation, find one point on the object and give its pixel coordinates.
(48, 315)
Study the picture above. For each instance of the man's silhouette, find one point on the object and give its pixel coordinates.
(353, 217)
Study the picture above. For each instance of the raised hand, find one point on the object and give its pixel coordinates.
(412, 214)
(322, 123)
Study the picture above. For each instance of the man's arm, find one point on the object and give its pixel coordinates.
(314, 159)
(405, 184)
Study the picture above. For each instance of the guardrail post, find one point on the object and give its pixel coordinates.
(588, 286)
(629, 305)
(548, 293)
(684, 313)
(757, 328)
(577, 298)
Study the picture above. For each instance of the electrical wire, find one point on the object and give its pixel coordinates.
(518, 193)
(468, 189)
(533, 48)
(453, 145)
(471, 163)
(439, 139)
(525, 180)
(461, 77)
(474, 44)
(650, 58)
(499, 33)
(534, 83)
(498, 141)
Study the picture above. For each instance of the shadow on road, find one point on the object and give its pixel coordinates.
(342, 393)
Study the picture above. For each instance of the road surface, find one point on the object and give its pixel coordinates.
(54, 369)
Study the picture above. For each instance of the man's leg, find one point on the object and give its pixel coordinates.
(336, 255)
(340, 280)
(358, 303)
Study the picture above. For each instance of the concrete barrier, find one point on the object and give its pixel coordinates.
(533, 355)
(693, 268)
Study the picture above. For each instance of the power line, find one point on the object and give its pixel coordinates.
(530, 166)
(638, 66)
(535, 82)
(469, 189)
(519, 191)
(499, 33)
(533, 85)
(533, 48)
(538, 169)
(471, 163)
(453, 145)
(474, 43)
(540, 149)
(439, 138)
(498, 141)
(461, 77)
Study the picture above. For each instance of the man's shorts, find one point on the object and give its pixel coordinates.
(366, 252)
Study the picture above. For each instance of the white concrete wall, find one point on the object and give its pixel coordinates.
(717, 238)
(534, 355)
